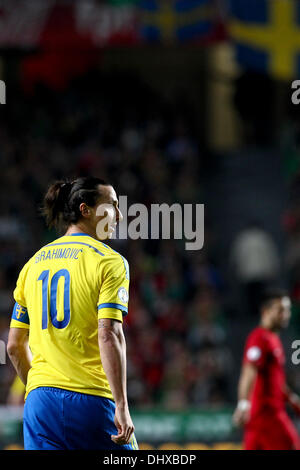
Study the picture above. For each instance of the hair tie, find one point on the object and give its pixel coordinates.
(66, 184)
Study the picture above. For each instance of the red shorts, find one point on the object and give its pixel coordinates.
(271, 432)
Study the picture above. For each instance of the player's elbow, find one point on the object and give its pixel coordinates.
(13, 348)
(110, 332)
(107, 336)
(110, 341)
(17, 341)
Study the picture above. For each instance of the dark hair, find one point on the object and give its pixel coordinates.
(63, 198)
(270, 294)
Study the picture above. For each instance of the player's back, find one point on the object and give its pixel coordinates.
(264, 350)
(64, 286)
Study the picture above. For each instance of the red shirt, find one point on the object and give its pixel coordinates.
(264, 349)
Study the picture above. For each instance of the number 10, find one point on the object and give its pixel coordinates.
(44, 277)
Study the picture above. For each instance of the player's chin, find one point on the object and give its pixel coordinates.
(109, 235)
(111, 232)
(105, 236)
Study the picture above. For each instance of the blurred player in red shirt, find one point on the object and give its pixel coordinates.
(262, 390)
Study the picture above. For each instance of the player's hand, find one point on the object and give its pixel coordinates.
(240, 418)
(124, 425)
(242, 413)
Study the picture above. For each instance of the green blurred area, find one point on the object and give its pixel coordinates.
(154, 427)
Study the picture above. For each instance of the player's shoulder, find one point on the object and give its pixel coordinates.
(259, 337)
(26, 268)
(35, 256)
(257, 333)
(87, 243)
(114, 255)
(48, 245)
(113, 258)
(109, 256)
(56, 241)
(256, 345)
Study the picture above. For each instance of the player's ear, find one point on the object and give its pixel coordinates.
(85, 210)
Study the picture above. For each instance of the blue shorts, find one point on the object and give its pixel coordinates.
(57, 419)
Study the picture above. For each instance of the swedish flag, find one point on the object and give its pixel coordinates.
(176, 20)
(20, 313)
(267, 35)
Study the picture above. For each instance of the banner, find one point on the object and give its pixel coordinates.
(179, 21)
(266, 35)
(154, 428)
(88, 23)
(184, 426)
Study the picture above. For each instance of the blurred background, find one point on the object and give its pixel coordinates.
(185, 101)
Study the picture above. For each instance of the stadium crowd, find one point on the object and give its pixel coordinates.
(177, 340)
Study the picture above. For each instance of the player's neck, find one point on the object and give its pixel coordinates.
(267, 326)
(81, 228)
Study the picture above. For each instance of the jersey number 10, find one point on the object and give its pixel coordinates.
(44, 277)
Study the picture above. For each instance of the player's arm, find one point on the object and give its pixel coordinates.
(292, 399)
(246, 382)
(254, 360)
(113, 356)
(112, 307)
(19, 352)
(17, 346)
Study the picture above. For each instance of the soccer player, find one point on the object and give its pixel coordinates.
(262, 390)
(66, 340)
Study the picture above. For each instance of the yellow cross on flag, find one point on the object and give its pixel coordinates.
(278, 39)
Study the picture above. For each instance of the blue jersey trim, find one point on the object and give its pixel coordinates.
(126, 266)
(20, 314)
(111, 305)
(76, 243)
(106, 246)
(81, 234)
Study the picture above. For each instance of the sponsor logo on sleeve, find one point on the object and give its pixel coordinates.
(123, 295)
(253, 353)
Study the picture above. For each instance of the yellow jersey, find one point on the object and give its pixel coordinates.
(61, 293)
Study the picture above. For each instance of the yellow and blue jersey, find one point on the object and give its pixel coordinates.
(61, 293)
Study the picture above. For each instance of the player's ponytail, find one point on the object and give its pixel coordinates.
(63, 198)
(54, 202)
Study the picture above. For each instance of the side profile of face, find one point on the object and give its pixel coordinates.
(103, 218)
(278, 314)
(107, 213)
